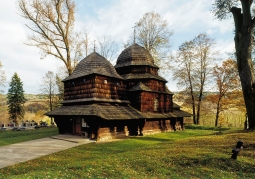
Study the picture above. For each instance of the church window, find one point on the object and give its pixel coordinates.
(155, 104)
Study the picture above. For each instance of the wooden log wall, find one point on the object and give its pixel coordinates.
(152, 127)
(95, 87)
(147, 102)
(105, 133)
(155, 85)
(168, 103)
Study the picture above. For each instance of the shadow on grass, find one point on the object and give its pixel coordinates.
(152, 139)
(206, 128)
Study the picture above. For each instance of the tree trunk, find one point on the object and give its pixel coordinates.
(198, 110)
(217, 113)
(193, 108)
(193, 101)
(243, 45)
(194, 112)
(199, 104)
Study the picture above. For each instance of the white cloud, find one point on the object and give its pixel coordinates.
(112, 17)
(17, 57)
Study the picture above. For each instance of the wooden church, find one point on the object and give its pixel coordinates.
(103, 102)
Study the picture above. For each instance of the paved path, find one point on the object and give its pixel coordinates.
(24, 151)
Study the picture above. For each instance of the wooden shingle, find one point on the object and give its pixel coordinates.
(135, 55)
(107, 112)
(94, 64)
(132, 76)
(140, 87)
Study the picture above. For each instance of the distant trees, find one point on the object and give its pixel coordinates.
(227, 81)
(51, 86)
(34, 107)
(153, 33)
(2, 75)
(16, 99)
(193, 69)
(244, 29)
(60, 88)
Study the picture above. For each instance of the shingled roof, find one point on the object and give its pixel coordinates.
(181, 113)
(112, 112)
(107, 112)
(150, 115)
(176, 106)
(142, 76)
(140, 87)
(135, 55)
(94, 64)
(94, 100)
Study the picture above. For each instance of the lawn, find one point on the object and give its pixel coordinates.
(11, 137)
(193, 153)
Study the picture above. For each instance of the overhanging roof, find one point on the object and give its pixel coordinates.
(107, 112)
(181, 113)
(113, 112)
(132, 76)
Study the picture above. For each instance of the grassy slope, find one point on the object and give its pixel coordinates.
(184, 154)
(11, 137)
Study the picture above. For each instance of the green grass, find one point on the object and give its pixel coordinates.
(193, 153)
(11, 137)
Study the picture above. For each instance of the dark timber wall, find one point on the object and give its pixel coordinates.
(95, 87)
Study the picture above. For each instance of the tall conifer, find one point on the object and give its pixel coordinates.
(16, 99)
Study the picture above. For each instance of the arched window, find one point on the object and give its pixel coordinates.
(155, 104)
(105, 81)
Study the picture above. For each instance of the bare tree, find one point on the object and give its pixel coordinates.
(153, 33)
(108, 47)
(192, 69)
(60, 88)
(48, 87)
(185, 61)
(52, 22)
(86, 41)
(244, 29)
(205, 55)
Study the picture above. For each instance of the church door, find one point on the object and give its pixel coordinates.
(78, 126)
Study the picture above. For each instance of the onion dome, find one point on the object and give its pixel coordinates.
(135, 55)
(94, 64)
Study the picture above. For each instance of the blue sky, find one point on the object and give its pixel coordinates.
(107, 17)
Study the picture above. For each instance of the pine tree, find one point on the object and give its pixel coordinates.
(16, 99)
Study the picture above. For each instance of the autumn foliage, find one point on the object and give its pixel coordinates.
(227, 85)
